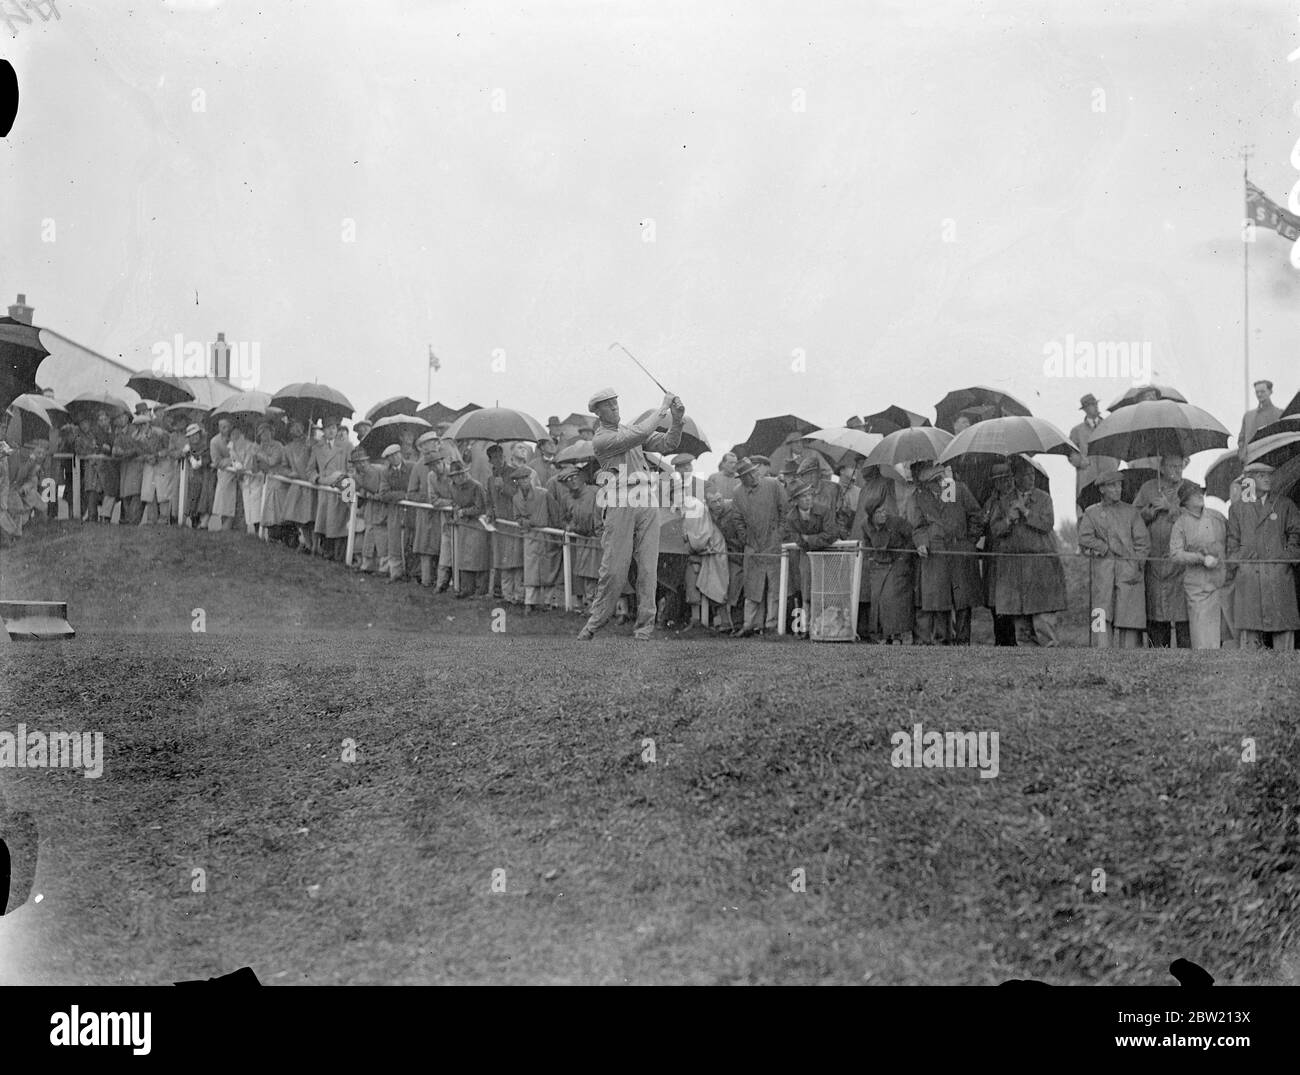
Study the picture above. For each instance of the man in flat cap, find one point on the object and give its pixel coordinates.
(764, 465)
(814, 527)
(425, 485)
(1263, 415)
(762, 506)
(373, 509)
(535, 510)
(1088, 466)
(473, 555)
(1263, 526)
(946, 519)
(1113, 534)
(396, 478)
(631, 528)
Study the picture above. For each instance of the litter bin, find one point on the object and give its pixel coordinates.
(833, 604)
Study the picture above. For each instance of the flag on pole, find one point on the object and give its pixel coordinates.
(434, 363)
(1267, 214)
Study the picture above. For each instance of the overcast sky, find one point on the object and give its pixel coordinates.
(810, 207)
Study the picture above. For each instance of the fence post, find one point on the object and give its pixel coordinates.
(76, 486)
(568, 574)
(261, 510)
(352, 534)
(455, 551)
(783, 591)
(182, 490)
(856, 592)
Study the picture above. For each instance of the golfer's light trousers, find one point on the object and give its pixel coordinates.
(628, 533)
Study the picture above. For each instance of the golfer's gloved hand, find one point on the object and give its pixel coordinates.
(677, 409)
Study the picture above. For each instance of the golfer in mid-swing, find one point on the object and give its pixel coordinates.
(631, 507)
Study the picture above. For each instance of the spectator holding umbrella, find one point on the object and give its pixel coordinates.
(242, 462)
(1263, 526)
(425, 486)
(997, 530)
(129, 447)
(948, 586)
(1114, 534)
(762, 506)
(201, 480)
(1031, 586)
(507, 546)
(473, 556)
(269, 457)
(890, 562)
(329, 466)
(1158, 501)
(1198, 542)
(297, 504)
(534, 509)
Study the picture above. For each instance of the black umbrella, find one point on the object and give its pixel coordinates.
(436, 413)
(1157, 427)
(157, 386)
(386, 408)
(1286, 424)
(389, 430)
(1141, 392)
(892, 419)
(307, 402)
(1134, 479)
(21, 351)
(769, 434)
(976, 473)
(991, 402)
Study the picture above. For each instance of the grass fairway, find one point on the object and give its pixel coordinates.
(523, 752)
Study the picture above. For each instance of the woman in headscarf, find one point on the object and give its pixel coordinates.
(890, 561)
(297, 502)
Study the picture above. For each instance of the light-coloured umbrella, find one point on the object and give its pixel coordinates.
(837, 441)
(1016, 435)
(917, 444)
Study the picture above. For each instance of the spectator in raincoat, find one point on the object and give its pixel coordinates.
(1114, 535)
(761, 504)
(1030, 583)
(889, 566)
(422, 487)
(297, 502)
(473, 556)
(535, 509)
(583, 521)
(1198, 542)
(1157, 500)
(1262, 527)
(946, 519)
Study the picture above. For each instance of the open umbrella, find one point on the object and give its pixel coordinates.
(307, 402)
(992, 403)
(1276, 450)
(577, 452)
(1015, 435)
(1140, 392)
(35, 418)
(976, 473)
(1135, 476)
(892, 419)
(693, 440)
(389, 430)
(1157, 427)
(916, 444)
(436, 413)
(393, 405)
(242, 407)
(496, 424)
(838, 441)
(21, 351)
(1289, 423)
(1222, 473)
(189, 410)
(158, 386)
(88, 404)
(769, 434)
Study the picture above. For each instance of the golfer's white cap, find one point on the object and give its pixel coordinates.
(600, 397)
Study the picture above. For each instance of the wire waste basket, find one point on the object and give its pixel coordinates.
(833, 603)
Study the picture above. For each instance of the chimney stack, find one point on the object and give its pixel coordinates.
(20, 311)
(221, 358)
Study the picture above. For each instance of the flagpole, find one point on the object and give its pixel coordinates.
(428, 375)
(1245, 286)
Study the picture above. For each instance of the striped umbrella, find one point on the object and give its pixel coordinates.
(1157, 427)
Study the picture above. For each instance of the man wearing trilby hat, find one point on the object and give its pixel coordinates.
(945, 520)
(631, 528)
(1088, 466)
(1263, 526)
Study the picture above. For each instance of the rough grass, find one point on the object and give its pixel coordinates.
(523, 752)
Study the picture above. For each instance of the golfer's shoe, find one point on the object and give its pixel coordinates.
(586, 635)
